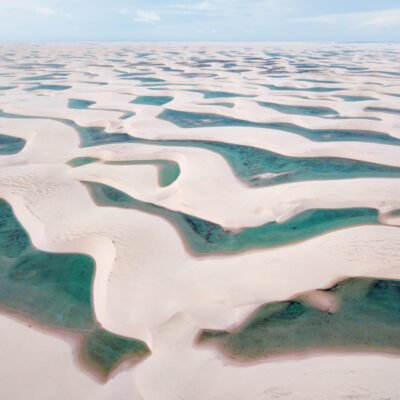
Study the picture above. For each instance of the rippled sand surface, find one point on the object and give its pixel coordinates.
(200, 221)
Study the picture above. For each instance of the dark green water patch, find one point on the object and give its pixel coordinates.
(55, 289)
(317, 81)
(11, 145)
(127, 115)
(198, 75)
(205, 237)
(144, 79)
(49, 87)
(107, 350)
(134, 74)
(239, 71)
(169, 171)
(384, 110)
(368, 319)
(90, 136)
(209, 94)
(79, 161)
(45, 77)
(152, 100)
(227, 105)
(96, 83)
(299, 110)
(251, 164)
(356, 98)
(185, 119)
(80, 104)
(317, 89)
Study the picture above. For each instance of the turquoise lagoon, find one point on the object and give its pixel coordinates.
(11, 144)
(55, 289)
(317, 89)
(80, 104)
(299, 110)
(152, 100)
(248, 163)
(80, 161)
(49, 87)
(209, 94)
(185, 119)
(368, 319)
(169, 171)
(205, 237)
(384, 110)
(356, 98)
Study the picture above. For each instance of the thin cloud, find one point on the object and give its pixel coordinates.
(229, 8)
(148, 17)
(25, 6)
(203, 6)
(388, 18)
(370, 19)
(208, 8)
(46, 11)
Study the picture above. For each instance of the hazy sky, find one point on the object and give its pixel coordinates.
(139, 20)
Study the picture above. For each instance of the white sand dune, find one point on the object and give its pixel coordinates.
(148, 284)
(215, 194)
(181, 371)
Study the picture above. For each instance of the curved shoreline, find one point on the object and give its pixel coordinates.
(75, 320)
(148, 281)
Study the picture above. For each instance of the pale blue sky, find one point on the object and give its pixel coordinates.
(156, 20)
